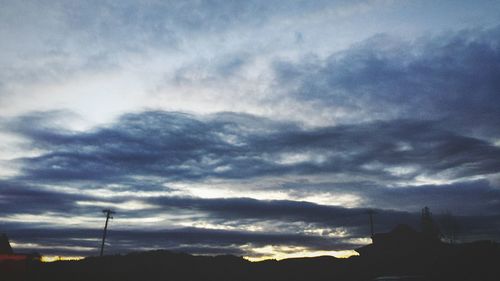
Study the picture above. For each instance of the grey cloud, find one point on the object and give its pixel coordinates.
(238, 209)
(19, 198)
(471, 198)
(133, 26)
(44, 44)
(235, 212)
(452, 77)
(474, 205)
(176, 239)
(210, 72)
(201, 241)
(178, 146)
(477, 197)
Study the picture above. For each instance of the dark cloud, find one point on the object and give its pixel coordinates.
(468, 202)
(281, 215)
(464, 198)
(471, 198)
(223, 211)
(148, 149)
(19, 198)
(239, 209)
(451, 77)
(85, 241)
(176, 239)
(178, 146)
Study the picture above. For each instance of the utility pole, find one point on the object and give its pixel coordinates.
(108, 213)
(371, 213)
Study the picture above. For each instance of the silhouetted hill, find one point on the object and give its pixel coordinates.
(164, 265)
(475, 262)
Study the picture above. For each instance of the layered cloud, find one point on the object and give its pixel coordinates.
(449, 77)
(136, 166)
(178, 146)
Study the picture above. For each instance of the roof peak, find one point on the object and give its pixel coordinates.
(5, 247)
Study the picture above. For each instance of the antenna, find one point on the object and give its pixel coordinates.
(371, 213)
(108, 213)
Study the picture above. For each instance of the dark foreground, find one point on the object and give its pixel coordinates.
(474, 262)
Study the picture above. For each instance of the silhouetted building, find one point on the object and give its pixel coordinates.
(8, 255)
(401, 241)
(5, 248)
(10, 263)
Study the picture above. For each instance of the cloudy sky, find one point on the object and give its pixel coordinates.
(255, 128)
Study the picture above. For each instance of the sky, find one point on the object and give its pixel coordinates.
(263, 129)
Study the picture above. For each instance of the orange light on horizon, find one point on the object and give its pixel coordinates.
(278, 253)
(13, 257)
(60, 258)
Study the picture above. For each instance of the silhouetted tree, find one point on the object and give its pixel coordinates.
(429, 227)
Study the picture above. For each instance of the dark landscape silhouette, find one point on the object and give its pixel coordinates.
(401, 254)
